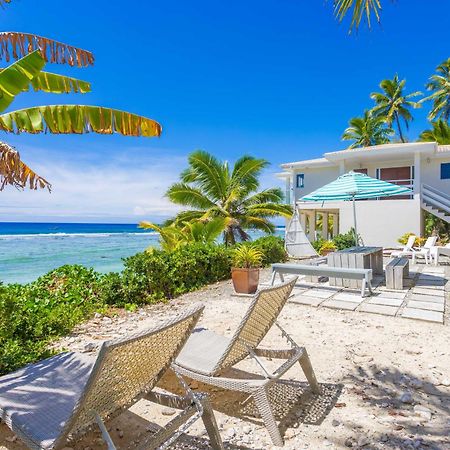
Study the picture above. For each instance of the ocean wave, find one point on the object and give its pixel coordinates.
(70, 235)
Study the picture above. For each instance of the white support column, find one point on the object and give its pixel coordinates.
(312, 225)
(325, 225)
(288, 190)
(417, 175)
(303, 220)
(335, 224)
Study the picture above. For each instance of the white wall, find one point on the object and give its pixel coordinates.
(431, 173)
(314, 179)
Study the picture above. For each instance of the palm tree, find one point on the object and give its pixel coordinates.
(393, 104)
(176, 235)
(211, 188)
(360, 8)
(367, 131)
(440, 133)
(439, 84)
(31, 52)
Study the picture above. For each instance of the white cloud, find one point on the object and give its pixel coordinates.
(125, 187)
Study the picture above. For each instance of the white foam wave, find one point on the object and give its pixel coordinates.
(71, 235)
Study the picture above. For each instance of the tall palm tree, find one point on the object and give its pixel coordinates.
(31, 53)
(211, 188)
(439, 84)
(440, 133)
(392, 104)
(360, 8)
(367, 131)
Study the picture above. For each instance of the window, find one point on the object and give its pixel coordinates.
(445, 171)
(300, 180)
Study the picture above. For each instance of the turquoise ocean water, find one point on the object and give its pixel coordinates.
(28, 250)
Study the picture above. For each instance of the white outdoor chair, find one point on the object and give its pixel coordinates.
(207, 356)
(438, 250)
(424, 251)
(407, 249)
(50, 402)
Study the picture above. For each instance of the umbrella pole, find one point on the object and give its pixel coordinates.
(354, 221)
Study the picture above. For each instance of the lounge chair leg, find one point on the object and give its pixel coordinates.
(210, 423)
(272, 279)
(363, 288)
(306, 366)
(264, 408)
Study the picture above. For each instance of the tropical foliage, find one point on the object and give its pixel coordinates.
(173, 237)
(367, 131)
(439, 85)
(212, 189)
(440, 133)
(393, 105)
(359, 9)
(31, 53)
(247, 257)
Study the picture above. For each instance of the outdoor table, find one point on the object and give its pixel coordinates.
(358, 258)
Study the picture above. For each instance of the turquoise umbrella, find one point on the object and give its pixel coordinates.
(355, 186)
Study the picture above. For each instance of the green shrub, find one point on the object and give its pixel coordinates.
(32, 315)
(317, 244)
(346, 240)
(326, 247)
(272, 248)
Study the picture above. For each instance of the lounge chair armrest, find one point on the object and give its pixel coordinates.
(170, 400)
(275, 354)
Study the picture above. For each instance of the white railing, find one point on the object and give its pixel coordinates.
(437, 199)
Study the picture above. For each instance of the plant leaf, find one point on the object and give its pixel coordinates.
(16, 173)
(78, 119)
(17, 45)
(17, 77)
(59, 84)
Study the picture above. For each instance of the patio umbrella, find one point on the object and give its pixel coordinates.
(355, 186)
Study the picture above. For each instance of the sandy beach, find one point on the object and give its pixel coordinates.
(385, 380)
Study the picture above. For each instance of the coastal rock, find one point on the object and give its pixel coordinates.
(406, 397)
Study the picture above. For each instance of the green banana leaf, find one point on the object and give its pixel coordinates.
(17, 77)
(59, 84)
(78, 119)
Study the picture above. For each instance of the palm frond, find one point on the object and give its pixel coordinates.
(14, 45)
(183, 194)
(439, 133)
(59, 84)
(274, 195)
(14, 172)
(246, 172)
(270, 210)
(360, 8)
(17, 77)
(78, 119)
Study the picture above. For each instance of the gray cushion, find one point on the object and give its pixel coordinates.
(202, 351)
(39, 399)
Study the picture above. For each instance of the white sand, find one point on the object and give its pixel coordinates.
(365, 363)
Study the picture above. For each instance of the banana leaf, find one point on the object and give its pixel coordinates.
(17, 77)
(59, 84)
(16, 45)
(78, 119)
(16, 173)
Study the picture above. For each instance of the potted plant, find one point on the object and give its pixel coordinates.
(327, 247)
(247, 260)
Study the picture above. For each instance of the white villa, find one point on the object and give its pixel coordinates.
(424, 167)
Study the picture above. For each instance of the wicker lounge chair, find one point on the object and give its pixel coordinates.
(207, 355)
(52, 401)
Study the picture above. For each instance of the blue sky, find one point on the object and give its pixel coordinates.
(276, 79)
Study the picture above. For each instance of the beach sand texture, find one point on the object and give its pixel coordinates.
(386, 380)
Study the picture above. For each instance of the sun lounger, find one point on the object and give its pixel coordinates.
(425, 251)
(407, 249)
(437, 251)
(365, 275)
(207, 356)
(49, 402)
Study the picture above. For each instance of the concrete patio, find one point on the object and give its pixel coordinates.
(424, 297)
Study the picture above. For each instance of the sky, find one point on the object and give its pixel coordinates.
(276, 79)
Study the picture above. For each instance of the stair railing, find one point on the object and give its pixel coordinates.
(436, 198)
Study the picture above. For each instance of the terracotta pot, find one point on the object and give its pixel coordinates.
(245, 281)
(327, 252)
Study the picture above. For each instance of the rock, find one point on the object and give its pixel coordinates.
(168, 411)
(327, 443)
(97, 315)
(230, 434)
(406, 397)
(335, 423)
(416, 383)
(348, 442)
(422, 412)
(89, 347)
(363, 441)
(290, 433)
(384, 438)
(247, 429)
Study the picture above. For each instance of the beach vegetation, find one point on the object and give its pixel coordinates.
(213, 189)
(439, 132)
(247, 257)
(327, 247)
(367, 130)
(439, 86)
(393, 105)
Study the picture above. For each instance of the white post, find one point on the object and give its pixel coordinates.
(335, 224)
(303, 220)
(354, 221)
(325, 225)
(288, 190)
(417, 175)
(312, 225)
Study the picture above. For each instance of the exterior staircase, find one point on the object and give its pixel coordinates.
(436, 202)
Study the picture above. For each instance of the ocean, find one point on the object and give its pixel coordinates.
(29, 250)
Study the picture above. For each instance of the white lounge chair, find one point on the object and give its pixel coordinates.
(437, 251)
(49, 402)
(407, 249)
(207, 356)
(424, 251)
